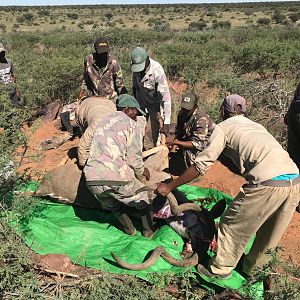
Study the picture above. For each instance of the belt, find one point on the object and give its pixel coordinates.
(279, 183)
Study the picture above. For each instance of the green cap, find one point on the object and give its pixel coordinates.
(126, 100)
(189, 100)
(138, 59)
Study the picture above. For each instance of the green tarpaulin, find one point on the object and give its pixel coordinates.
(88, 236)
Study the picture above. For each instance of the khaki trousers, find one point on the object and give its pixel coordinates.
(153, 125)
(158, 161)
(262, 210)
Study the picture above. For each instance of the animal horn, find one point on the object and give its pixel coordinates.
(176, 209)
(138, 267)
(157, 252)
(189, 262)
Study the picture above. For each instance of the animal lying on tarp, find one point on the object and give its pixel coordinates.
(198, 226)
(66, 184)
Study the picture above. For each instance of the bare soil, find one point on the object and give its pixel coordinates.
(36, 163)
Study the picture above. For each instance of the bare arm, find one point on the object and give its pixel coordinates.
(190, 174)
(204, 160)
(184, 144)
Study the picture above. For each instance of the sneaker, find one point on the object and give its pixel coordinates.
(204, 271)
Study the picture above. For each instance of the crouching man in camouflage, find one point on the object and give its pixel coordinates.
(114, 164)
(192, 133)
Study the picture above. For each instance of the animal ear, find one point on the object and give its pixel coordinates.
(217, 210)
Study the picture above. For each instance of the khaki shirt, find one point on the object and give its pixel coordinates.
(88, 113)
(250, 146)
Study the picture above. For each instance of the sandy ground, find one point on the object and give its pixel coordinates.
(35, 162)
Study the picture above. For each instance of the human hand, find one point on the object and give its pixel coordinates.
(165, 129)
(173, 149)
(163, 189)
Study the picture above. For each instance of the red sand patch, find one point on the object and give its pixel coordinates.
(36, 162)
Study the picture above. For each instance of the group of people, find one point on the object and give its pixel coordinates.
(117, 127)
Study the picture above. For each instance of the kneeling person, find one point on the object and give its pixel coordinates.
(114, 164)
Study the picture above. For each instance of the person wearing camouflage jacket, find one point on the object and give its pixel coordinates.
(192, 132)
(114, 164)
(102, 73)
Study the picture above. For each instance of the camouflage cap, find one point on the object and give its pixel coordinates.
(126, 100)
(138, 59)
(189, 100)
(2, 48)
(101, 44)
(230, 102)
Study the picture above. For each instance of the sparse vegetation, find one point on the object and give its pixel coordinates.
(195, 26)
(210, 54)
(264, 21)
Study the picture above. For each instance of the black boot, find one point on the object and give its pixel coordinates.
(126, 223)
(66, 122)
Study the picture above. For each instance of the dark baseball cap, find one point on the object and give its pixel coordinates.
(138, 59)
(189, 100)
(230, 102)
(126, 100)
(101, 44)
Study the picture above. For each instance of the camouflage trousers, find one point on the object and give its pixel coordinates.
(134, 194)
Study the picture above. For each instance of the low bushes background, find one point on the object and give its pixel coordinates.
(259, 63)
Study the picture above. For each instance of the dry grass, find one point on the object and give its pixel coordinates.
(177, 16)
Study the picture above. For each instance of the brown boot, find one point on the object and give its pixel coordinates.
(126, 223)
(149, 228)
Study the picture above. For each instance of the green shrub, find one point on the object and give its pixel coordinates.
(26, 17)
(43, 12)
(2, 28)
(266, 55)
(20, 19)
(72, 16)
(146, 10)
(195, 26)
(278, 17)
(221, 24)
(108, 16)
(263, 21)
(294, 17)
(211, 14)
(164, 26)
